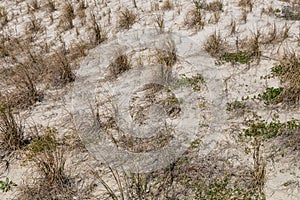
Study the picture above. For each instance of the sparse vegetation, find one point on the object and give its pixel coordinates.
(196, 82)
(12, 132)
(271, 95)
(119, 65)
(6, 185)
(42, 44)
(47, 154)
(127, 18)
(215, 44)
(275, 128)
(195, 18)
(235, 106)
(239, 57)
(99, 34)
(167, 54)
(288, 70)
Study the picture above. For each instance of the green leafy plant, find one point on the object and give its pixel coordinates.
(271, 95)
(6, 185)
(195, 81)
(235, 105)
(267, 130)
(242, 57)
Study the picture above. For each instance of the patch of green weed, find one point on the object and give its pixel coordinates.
(6, 185)
(241, 57)
(195, 81)
(235, 105)
(271, 95)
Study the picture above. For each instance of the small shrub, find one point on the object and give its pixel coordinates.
(68, 14)
(51, 5)
(26, 86)
(159, 20)
(33, 5)
(246, 4)
(66, 75)
(47, 155)
(3, 16)
(291, 12)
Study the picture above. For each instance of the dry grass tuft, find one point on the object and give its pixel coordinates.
(3, 16)
(167, 55)
(214, 6)
(11, 130)
(246, 4)
(167, 5)
(120, 65)
(47, 155)
(159, 20)
(126, 19)
(51, 4)
(25, 81)
(62, 69)
(214, 45)
(288, 70)
(99, 34)
(68, 14)
(195, 18)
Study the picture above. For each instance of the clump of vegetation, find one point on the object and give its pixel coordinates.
(241, 57)
(195, 82)
(68, 15)
(195, 18)
(12, 135)
(271, 95)
(120, 65)
(235, 106)
(267, 130)
(291, 12)
(167, 55)
(214, 45)
(167, 5)
(27, 93)
(214, 6)
(47, 155)
(127, 18)
(99, 34)
(3, 16)
(246, 4)
(6, 185)
(288, 70)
